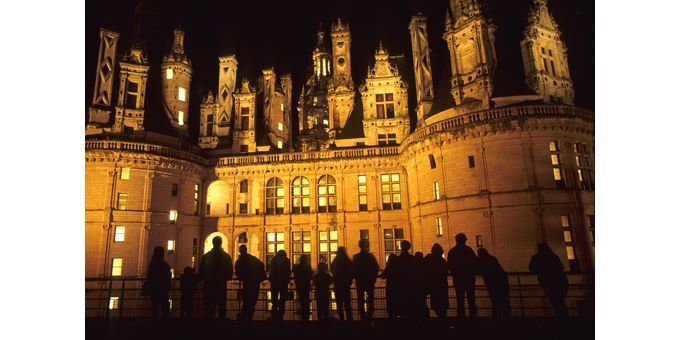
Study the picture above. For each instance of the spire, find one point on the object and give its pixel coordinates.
(320, 39)
(144, 20)
(178, 42)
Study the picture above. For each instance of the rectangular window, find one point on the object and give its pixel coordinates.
(119, 235)
(244, 148)
(243, 208)
(122, 201)
(545, 64)
(591, 221)
(174, 189)
(117, 266)
(392, 238)
(384, 105)
(245, 122)
(471, 162)
(363, 193)
(436, 190)
(207, 209)
(280, 126)
(171, 247)
(180, 118)
(302, 245)
(227, 210)
(194, 250)
(552, 67)
(556, 162)
(391, 191)
(382, 139)
(433, 162)
(125, 173)
(243, 187)
(173, 216)
(480, 241)
(363, 234)
(113, 302)
(391, 139)
(543, 50)
(569, 242)
(583, 168)
(274, 244)
(169, 73)
(132, 92)
(182, 94)
(196, 198)
(279, 144)
(440, 227)
(328, 245)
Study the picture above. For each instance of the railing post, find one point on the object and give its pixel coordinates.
(521, 297)
(121, 299)
(108, 301)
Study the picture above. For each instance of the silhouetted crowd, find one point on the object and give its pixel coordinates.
(409, 281)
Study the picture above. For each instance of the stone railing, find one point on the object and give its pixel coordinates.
(305, 156)
(481, 117)
(144, 148)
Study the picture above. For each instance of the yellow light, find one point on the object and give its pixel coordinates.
(169, 73)
(171, 245)
(173, 215)
(180, 117)
(280, 126)
(182, 95)
(125, 173)
(117, 266)
(113, 303)
(280, 145)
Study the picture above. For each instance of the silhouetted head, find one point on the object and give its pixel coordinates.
(461, 238)
(217, 242)
(481, 252)
(391, 258)
(341, 253)
(303, 260)
(544, 249)
(405, 246)
(437, 250)
(188, 270)
(242, 249)
(323, 267)
(363, 244)
(281, 253)
(419, 255)
(158, 253)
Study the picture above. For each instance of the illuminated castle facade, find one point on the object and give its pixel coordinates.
(509, 172)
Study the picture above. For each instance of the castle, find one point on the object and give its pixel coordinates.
(509, 172)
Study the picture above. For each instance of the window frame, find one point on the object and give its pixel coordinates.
(391, 193)
(299, 184)
(276, 187)
(327, 183)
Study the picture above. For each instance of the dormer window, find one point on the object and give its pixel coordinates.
(384, 103)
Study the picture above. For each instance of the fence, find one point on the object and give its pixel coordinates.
(121, 297)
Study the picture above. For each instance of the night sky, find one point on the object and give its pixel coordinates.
(282, 34)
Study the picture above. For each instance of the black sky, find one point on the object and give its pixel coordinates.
(282, 34)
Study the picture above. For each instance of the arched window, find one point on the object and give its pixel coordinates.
(274, 198)
(328, 200)
(300, 195)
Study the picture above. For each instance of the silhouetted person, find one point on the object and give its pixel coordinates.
(496, 281)
(322, 291)
(421, 313)
(216, 269)
(463, 266)
(408, 288)
(303, 277)
(279, 276)
(158, 280)
(187, 286)
(250, 271)
(552, 278)
(366, 269)
(391, 287)
(437, 280)
(343, 273)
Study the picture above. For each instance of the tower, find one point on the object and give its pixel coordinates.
(225, 89)
(175, 82)
(102, 99)
(470, 39)
(208, 127)
(277, 125)
(341, 87)
(545, 57)
(134, 72)
(244, 122)
(385, 102)
(421, 66)
(320, 57)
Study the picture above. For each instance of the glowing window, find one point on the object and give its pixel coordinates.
(117, 266)
(171, 247)
(113, 302)
(436, 190)
(274, 196)
(196, 197)
(392, 238)
(282, 107)
(125, 173)
(384, 103)
(570, 253)
(553, 146)
(274, 243)
(180, 118)
(555, 159)
(480, 241)
(182, 95)
(169, 73)
(173, 215)
(122, 201)
(302, 245)
(363, 193)
(327, 196)
(440, 228)
(300, 195)
(279, 144)
(280, 126)
(391, 191)
(557, 173)
(328, 245)
(119, 235)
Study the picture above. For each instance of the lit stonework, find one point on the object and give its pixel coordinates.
(386, 119)
(508, 175)
(470, 38)
(545, 57)
(175, 82)
(102, 103)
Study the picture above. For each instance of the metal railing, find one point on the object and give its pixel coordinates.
(121, 297)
